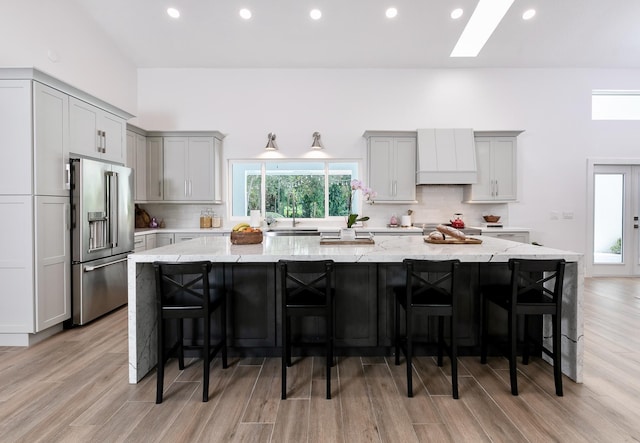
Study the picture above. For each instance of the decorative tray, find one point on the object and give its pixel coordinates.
(454, 241)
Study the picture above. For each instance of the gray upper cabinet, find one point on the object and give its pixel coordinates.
(51, 138)
(190, 169)
(96, 133)
(392, 165)
(137, 160)
(497, 180)
(154, 171)
(176, 167)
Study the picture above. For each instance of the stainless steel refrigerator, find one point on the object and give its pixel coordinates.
(102, 214)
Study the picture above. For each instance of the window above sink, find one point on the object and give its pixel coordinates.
(304, 190)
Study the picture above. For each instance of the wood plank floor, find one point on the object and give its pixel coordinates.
(73, 388)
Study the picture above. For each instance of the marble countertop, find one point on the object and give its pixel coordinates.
(384, 229)
(387, 248)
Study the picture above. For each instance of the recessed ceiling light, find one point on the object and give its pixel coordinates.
(245, 13)
(173, 13)
(391, 12)
(456, 13)
(315, 14)
(528, 14)
(483, 22)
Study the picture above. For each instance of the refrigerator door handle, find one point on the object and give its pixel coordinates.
(93, 268)
(112, 199)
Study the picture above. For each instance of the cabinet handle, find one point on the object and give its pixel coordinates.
(190, 189)
(395, 188)
(185, 188)
(99, 141)
(159, 188)
(104, 142)
(67, 184)
(497, 189)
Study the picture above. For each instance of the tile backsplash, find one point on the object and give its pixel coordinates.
(436, 203)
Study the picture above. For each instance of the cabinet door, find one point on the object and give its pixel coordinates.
(164, 239)
(137, 160)
(217, 171)
(381, 167)
(150, 241)
(483, 189)
(84, 138)
(51, 138)
(405, 166)
(175, 168)
(140, 175)
(356, 310)
(139, 243)
(504, 168)
(114, 145)
(16, 264)
(131, 150)
(252, 304)
(96, 133)
(15, 137)
(200, 169)
(53, 261)
(155, 164)
(392, 168)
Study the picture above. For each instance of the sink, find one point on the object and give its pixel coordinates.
(291, 231)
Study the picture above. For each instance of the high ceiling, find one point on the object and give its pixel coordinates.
(356, 33)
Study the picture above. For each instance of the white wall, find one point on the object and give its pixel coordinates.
(86, 58)
(553, 106)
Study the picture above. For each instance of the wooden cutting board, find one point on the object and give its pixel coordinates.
(454, 241)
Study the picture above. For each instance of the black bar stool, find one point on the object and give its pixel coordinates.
(535, 289)
(183, 290)
(307, 290)
(431, 288)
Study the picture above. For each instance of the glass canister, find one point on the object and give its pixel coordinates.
(205, 218)
(216, 220)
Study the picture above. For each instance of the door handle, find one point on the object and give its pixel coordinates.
(93, 268)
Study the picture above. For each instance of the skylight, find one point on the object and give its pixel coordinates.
(480, 26)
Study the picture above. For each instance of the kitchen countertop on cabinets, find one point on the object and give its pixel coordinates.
(334, 229)
(143, 231)
(386, 249)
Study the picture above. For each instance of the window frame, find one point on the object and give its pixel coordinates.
(263, 170)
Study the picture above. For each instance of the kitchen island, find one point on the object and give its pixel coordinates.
(365, 273)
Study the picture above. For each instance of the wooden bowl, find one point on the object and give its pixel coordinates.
(246, 238)
(491, 218)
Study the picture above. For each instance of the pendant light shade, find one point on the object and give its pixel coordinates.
(271, 143)
(317, 143)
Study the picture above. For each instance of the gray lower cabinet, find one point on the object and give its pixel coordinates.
(252, 304)
(356, 305)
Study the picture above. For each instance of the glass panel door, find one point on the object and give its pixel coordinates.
(615, 232)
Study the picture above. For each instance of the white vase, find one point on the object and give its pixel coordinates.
(347, 234)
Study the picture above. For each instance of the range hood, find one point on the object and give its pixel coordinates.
(446, 156)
